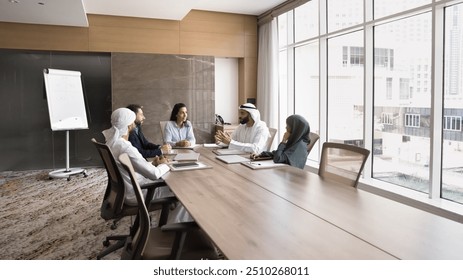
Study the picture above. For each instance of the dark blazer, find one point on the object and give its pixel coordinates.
(146, 148)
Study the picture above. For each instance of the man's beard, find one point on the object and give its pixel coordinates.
(244, 120)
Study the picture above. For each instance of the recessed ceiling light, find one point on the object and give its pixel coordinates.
(14, 1)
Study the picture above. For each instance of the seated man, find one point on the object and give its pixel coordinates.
(250, 136)
(116, 137)
(138, 140)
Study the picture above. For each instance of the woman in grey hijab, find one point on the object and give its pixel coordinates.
(293, 147)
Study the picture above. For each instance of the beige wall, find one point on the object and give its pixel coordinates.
(199, 33)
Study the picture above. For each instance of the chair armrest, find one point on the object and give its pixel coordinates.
(154, 185)
(184, 226)
(151, 187)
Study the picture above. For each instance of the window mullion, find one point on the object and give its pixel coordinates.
(435, 161)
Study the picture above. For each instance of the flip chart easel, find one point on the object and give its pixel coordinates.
(66, 108)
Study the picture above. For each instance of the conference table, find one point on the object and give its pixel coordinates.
(289, 213)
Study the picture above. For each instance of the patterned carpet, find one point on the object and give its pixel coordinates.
(43, 219)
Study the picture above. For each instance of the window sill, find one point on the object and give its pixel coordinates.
(445, 208)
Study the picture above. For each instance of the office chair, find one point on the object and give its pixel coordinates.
(343, 163)
(113, 207)
(268, 144)
(313, 139)
(162, 124)
(172, 241)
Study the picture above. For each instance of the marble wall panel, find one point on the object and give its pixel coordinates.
(158, 81)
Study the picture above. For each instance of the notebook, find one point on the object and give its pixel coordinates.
(262, 164)
(232, 158)
(229, 152)
(183, 166)
(186, 157)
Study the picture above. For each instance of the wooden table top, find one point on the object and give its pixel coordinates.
(403, 231)
(247, 221)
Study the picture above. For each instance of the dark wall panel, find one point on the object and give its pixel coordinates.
(27, 141)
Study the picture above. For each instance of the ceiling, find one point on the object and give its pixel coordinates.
(74, 12)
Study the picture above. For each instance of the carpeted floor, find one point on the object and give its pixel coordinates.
(43, 219)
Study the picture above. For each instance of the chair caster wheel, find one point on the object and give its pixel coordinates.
(106, 243)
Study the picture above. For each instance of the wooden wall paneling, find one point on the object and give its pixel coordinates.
(125, 34)
(43, 37)
(212, 16)
(209, 33)
(248, 67)
(225, 45)
(250, 60)
(250, 45)
(132, 22)
(133, 40)
(241, 81)
(250, 25)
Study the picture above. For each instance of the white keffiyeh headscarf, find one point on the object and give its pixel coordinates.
(252, 110)
(120, 119)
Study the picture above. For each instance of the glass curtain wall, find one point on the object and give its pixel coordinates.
(402, 101)
(372, 68)
(452, 143)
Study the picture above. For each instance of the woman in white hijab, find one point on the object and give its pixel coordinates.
(122, 121)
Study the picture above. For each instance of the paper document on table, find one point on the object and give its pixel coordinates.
(213, 145)
(232, 158)
(186, 148)
(262, 164)
(229, 152)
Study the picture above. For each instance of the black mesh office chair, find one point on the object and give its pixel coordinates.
(113, 206)
(171, 241)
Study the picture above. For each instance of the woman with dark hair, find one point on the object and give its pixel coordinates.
(179, 130)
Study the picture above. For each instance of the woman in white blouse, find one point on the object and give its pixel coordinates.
(179, 130)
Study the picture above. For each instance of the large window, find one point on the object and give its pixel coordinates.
(306, 84)
(389, 78)
(343, 14)
(389, 7)
(345, 89)
(405, 163)
(452, 146)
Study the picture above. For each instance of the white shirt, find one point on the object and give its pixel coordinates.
(250, 139)
(173, 133)
(143, 170)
